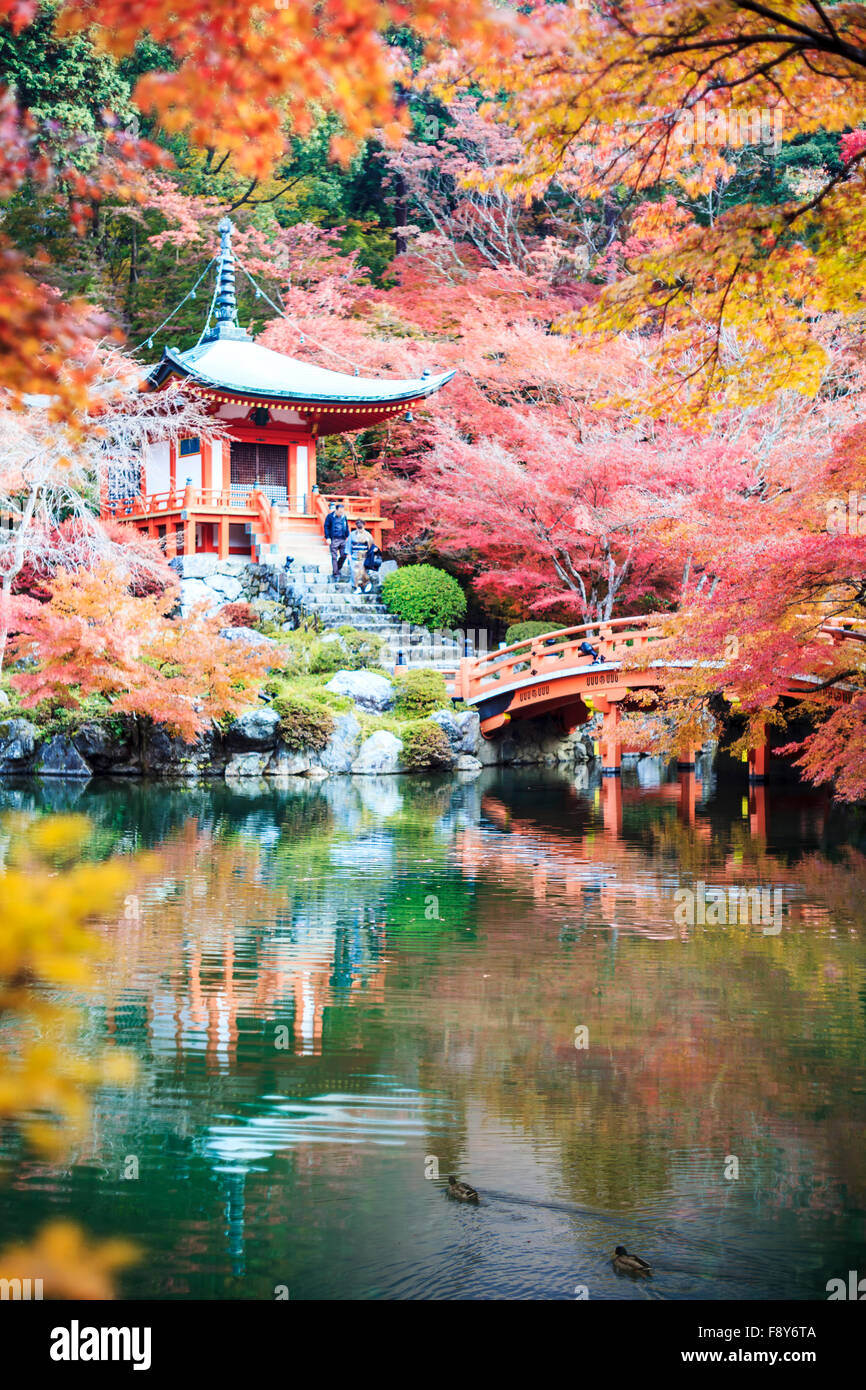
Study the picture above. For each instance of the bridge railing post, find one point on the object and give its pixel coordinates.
(464, 677)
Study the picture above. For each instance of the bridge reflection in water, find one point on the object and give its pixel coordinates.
(427, 947)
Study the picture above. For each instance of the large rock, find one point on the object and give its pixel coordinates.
(463, 730)
(255, 728)
(168, 755)
(369, 691)
(195, 592)
(209, 581)
(60, 758)
(106, 750)
(530, 742)
(226, 587)
(342, 747)
(17, 743)
(248, 635)
(286, 762)
(194, 566)
(205, 566)
(379, 754)
(247, 765)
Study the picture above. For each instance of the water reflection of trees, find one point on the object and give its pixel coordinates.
(309, 909)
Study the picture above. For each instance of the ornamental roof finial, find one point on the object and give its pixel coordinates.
(226, 325)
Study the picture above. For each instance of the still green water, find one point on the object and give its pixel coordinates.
(335, 991)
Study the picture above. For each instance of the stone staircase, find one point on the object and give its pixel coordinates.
(336, 606)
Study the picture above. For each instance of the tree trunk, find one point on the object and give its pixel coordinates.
(14, 570)
(401, 214)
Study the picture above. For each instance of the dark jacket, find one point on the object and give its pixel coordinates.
(339, 528)
(329, 524)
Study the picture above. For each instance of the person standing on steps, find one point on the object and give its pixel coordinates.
(372, 565)
(359, 543)
(338, 536)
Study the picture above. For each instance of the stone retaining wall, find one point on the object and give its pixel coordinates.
(253, 747)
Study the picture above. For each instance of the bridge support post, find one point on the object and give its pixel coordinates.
(758, 810)
(759, 762)
(611, 748)
(688, 795)
(686, 759)
(611, 807)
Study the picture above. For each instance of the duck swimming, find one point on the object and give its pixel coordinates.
(461, 1190)
(624, 1263)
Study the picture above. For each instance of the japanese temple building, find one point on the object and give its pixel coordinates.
(254, 494)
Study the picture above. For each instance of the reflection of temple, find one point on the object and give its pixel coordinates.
(199, 1010)
(241, 955)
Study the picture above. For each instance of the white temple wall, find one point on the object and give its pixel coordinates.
(157, 467)
(189, 470)
(219, 464)
(302, 475)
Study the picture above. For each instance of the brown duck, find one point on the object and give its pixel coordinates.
(624, 1263)
(461, 1190)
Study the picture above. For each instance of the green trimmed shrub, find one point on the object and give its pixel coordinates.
(524, 632)
(304, 723)
(420, 692)
(424, 595)
(425, 746)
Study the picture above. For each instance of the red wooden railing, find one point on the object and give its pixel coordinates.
(556, 651)
(176, 500)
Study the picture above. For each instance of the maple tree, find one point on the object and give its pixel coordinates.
(621, 101)
(51, 479)
(95, 637)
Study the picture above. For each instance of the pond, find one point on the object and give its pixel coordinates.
(336, 992)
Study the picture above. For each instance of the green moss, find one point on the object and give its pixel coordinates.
(304, 723)
(524, 632)
(303, 652)
(420, 692)
(425, 745)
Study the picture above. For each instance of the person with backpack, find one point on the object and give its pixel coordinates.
(338, 537)
(372, 564)
(359, 543)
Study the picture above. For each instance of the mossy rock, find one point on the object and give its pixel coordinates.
(305, 724)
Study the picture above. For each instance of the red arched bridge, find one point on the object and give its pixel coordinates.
(597, 668)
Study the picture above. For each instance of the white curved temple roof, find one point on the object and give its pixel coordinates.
(240, 366)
